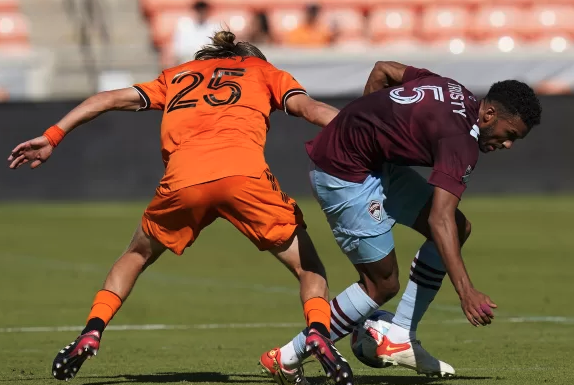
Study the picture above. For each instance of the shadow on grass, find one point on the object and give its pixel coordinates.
(214, 377)
(408, 380)
(220, 378)
(173, 377)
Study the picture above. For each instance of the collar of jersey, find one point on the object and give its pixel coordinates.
(475, 131)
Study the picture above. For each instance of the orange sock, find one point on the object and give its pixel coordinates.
(318, 310)
(105, 306)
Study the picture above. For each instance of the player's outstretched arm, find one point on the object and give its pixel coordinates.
(384, 74)
(38, 150)
(125, 99)
(313, 111)
(476, 305)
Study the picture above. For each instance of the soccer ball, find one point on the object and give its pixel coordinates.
(366, 337)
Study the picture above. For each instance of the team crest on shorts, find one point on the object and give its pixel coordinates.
(376, 210)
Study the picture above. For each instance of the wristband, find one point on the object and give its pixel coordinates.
(54, 135)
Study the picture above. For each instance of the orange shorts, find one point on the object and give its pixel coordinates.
(255, 206)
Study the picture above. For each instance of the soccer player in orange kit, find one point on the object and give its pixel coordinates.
(215, 119)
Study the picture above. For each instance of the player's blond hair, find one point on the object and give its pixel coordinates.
(224, 46)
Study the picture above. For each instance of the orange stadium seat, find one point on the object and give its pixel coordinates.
(362, 5)
(388, 23)
(13, 28)
(150, 7)
(552, 20)
(349, 22)
(492, 21)
(8, 5)
(440, 22)
(257, 4)
(282, 21)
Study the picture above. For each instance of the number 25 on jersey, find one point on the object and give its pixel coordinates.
(216, 83)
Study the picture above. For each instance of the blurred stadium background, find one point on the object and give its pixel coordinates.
(53, 53)
(67, 48)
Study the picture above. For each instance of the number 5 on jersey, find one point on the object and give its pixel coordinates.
(418, 96)
(216, 83)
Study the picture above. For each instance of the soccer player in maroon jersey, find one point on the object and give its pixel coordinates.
(361, 177)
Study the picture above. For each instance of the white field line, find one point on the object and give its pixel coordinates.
(214, 282)
(49, 329)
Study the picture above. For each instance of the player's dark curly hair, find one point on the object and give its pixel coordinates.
(224, 46)
(516, 98)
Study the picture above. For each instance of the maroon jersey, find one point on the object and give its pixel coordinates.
(428, 121)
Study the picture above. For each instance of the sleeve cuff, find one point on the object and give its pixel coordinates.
(288, 94)
(144, 97)
(447, 182)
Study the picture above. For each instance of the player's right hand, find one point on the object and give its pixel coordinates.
(477, 307)
(35, 152)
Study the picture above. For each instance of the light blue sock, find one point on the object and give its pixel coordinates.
(347, 310)
(427, 273)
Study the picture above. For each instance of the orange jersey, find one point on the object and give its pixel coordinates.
(216, 117)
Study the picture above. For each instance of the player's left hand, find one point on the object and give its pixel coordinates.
(477, 307)
(35, 152)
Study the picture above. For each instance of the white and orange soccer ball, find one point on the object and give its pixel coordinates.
(367, 336)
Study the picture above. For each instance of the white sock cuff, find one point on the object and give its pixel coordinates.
(356, 291)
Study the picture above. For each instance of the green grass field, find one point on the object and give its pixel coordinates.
(54, 257)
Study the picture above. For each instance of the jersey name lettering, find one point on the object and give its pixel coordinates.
(455, 92)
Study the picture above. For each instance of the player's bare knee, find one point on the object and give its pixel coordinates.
(384, 290)
(391, 288)
(146, 247)
(380, 279)
(299, 255)
(141, 250)
(381, 288)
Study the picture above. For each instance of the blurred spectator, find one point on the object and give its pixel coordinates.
(552, 87)
(191, 33)
(90, 20)
(4, 95)
(311, 33)
(260, 34)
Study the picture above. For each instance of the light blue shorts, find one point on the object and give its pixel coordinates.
(362, 215)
